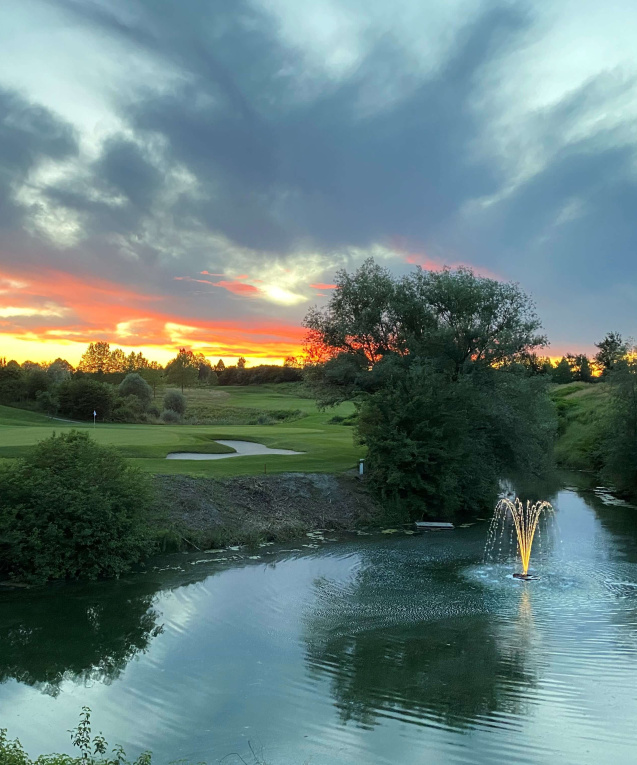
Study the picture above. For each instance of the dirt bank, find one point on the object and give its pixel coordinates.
(212, 512)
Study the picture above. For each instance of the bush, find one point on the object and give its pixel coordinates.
(46, 402)
(135, 385)
(71, 509)
(175, 401)
(128, 409)
(153, 411)
(80, 397)
(170, 417)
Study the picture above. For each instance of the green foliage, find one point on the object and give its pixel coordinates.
(80, 397)
(171, 417)
(183, 370)
(71, 509)
(128, 409)
(436, 363)
(93, 749)
(11, 380)
(35, 381)
(582, 415)
(562, 373)
(135, 385)
(175, 401)
(612, 349)
(47, 402)
(620, 442)
(440, 447)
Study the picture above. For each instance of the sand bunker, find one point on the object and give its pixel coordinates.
(241, 449)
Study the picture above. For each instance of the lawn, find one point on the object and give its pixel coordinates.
(328, 448)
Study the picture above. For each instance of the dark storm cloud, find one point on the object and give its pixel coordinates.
(276, 169)
(28, 134)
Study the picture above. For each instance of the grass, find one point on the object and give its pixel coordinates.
(328, 448)
(581, 408)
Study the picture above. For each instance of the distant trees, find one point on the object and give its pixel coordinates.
(79, 398)
(135, 385)
(435, 362)
(183, 370)
(241, 363)
(562, 373)
(612, 349)
(96, 358)
(99, 358)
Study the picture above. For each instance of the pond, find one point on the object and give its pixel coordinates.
(386, 648)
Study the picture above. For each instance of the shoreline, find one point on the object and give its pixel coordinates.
(202, 513)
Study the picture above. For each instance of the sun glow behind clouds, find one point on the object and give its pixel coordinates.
(51, 313)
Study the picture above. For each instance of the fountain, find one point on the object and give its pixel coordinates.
(525, 521)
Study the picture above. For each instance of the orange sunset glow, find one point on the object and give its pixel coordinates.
(52, 313)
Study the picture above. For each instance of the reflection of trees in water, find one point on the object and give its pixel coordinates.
(457, 668)
(79, 632)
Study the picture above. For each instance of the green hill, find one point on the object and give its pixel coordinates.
(581, 409)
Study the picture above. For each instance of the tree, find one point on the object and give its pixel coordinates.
(135, 385)
(220, 366)
(291, 362)
(35, 381)
(71, 509)
(241, 363)
(619, 447)
(563, 373)
(59, 370)
(581, 368)
(183, 370)
(153, 374)
(96, 358)
(11, 376)
(79, 398)
(611, 350)
(435, 364)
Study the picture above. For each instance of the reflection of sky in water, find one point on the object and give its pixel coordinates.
(390, 650)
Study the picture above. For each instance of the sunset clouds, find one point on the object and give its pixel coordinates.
(195, 173)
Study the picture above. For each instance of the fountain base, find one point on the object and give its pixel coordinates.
(526, 577)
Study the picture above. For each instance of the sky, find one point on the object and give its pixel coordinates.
(194, 174)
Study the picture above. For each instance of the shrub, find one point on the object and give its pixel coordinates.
(128, 409)
(175, 401)
(46, 402)
(80, 397)
(170, 417)
(153, 411)
(72, 508)
(135, 385)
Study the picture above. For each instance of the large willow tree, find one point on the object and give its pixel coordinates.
(434, 362)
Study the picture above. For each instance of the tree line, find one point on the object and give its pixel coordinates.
(96, 384)
(579, 367)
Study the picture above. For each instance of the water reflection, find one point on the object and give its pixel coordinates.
(435, 656)
(86, 634)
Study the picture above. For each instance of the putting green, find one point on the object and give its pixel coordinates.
(326, 447)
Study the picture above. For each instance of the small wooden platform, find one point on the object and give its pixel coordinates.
(430, 525)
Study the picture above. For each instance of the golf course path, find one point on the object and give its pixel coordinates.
(242, 449)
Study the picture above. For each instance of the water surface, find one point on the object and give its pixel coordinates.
(376, 649)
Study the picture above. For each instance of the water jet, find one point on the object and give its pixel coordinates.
(525, 518)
